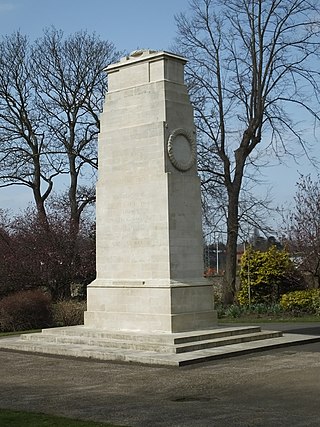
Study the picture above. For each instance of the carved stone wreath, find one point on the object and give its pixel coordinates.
(190, 145)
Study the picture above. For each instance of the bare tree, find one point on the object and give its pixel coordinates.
(303, 227)
(51, 94)
(70, 86)
(250, 69)
(254, 211)
(23, 147)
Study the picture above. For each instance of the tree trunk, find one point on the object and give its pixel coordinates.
(41, 210)
(74, 213)
(229, 287)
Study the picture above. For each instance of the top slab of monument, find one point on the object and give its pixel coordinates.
(142, 54)
(145, 66)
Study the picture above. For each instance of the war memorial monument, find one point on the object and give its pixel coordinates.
(150, 302)
(149, 234)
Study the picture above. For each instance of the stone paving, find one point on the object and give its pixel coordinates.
(271, 388)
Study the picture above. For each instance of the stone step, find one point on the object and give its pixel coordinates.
(173, 338)
(249, 347)
(215, 334)
(216, 340)
(225, 341)
(148, 357)
(103, 343)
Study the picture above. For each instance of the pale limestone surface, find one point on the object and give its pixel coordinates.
(149, 236)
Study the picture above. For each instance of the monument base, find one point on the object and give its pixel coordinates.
(150, 307)
(157, 348)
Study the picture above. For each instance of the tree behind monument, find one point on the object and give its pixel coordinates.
(251, 65)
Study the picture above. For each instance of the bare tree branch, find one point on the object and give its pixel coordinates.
(250, 62)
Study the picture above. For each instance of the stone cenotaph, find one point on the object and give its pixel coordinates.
(150, 303)
(149, 233)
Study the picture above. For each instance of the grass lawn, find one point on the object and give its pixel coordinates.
(29, 419)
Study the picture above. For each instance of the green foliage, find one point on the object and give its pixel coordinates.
(306, 301)
(235, 311)
(264, 276)
(25, 310)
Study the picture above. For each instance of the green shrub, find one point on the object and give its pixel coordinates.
(306, 301)
(69, 313)
(316, 301)
(265, 276)
(25, 310)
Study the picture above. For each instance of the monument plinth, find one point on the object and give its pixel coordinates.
(149, 234)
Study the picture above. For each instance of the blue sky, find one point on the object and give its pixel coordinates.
(129, 24)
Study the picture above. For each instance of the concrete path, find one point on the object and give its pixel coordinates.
(274, 388)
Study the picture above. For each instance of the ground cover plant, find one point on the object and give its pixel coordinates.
(266, 313)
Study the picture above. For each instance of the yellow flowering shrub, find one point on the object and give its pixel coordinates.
(307, 300)
(261, 275)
